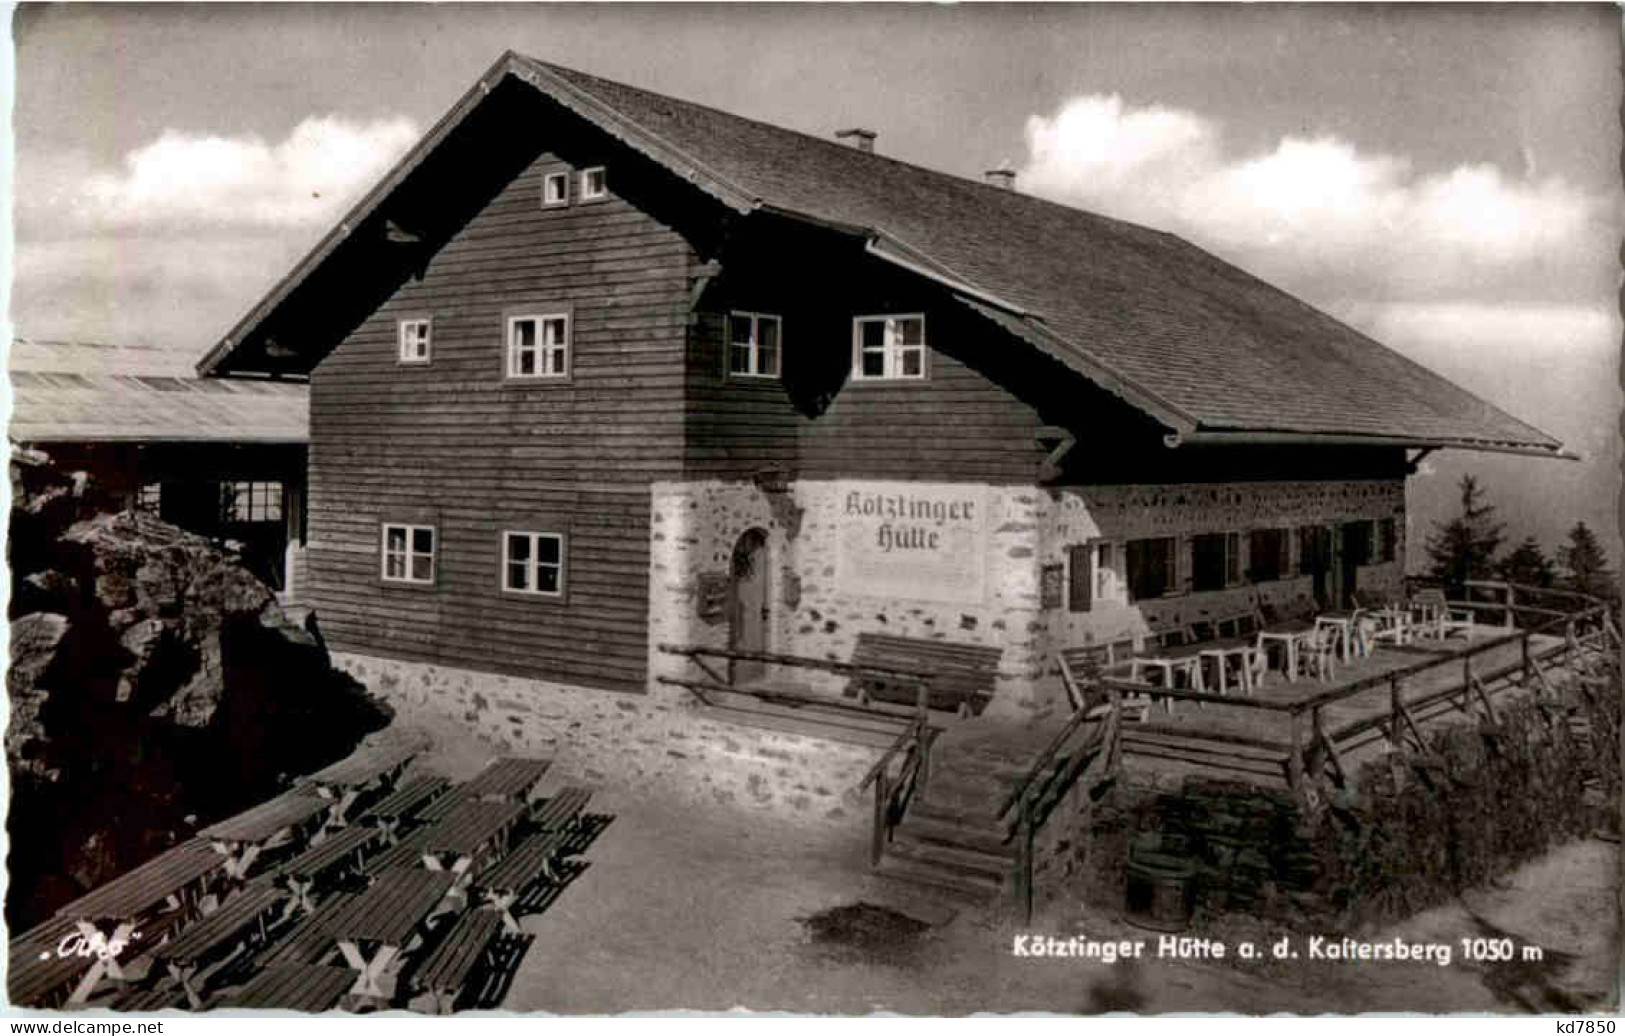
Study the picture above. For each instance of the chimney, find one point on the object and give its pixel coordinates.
(1003, 178)
(862, 139)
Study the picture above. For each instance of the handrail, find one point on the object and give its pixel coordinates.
(1043, 760)
(788, 697)
(829, 665)
(907, 734)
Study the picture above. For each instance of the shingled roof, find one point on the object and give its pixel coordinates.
(63, 391)
(1210, 351)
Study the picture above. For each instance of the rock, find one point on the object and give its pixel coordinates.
(35, 642)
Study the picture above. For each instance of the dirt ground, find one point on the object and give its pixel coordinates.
(710, 909)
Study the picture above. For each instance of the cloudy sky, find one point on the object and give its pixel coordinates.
(1446, 179)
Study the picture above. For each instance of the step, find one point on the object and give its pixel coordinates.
(983, 839)
(977, 891)
(972, 863)
(972, 819)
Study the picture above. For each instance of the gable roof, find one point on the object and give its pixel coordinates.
(91, 392)
(1205, 348)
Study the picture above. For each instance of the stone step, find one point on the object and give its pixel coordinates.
(962, 888)
(987, 839)
(971, 863)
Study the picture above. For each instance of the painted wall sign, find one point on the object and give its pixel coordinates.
(920, 542)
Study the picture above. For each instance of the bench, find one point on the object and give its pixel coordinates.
(562, 811)
(293, 987)
(137, 1000)
(388, 813)
(444, 970)
(37, 975)
(408, 852)
(961, 676)
(311, 941)
(505, 880)
(240, 921)
(340, 852)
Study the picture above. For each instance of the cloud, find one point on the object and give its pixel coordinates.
(232, 184)
(1323, 217)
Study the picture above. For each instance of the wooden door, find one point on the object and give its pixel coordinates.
(750, 610)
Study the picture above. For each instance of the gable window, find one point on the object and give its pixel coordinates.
(1215, 560)
(539, 346)
(533, 563)
(753, 345)
(414, 340)
(555, 189)
(1151, 567)
(594, 184)
(251, 501)
(1267, 553)
(408, 553)
(888, 347)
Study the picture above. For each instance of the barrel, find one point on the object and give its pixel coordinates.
(1160, 892)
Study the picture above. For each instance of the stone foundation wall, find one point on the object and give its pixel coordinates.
(1411, 830)
(630, 742)
(695, 525)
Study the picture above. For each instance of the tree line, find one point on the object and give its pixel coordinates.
(1468, 546)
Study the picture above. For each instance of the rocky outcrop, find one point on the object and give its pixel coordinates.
(155, 685)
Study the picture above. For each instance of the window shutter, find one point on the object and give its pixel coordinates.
(1081, 577)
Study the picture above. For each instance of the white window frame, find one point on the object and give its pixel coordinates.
(535, 564)
(754, 346)
(891, 347)
(548, 180)
(587, 193)
(544, 351)
(256, 499)
(407, 555)
(426, 340)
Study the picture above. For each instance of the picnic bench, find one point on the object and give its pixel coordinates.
(309, 941)
(149, 1000)
(276, 822)
(240, 922)
(376, 765)
(503, 882)
(170, 882)
(562, 811)
(960, 677)
(294, 987)
(473, 829)
(508, 779)
(402, 804)
(408, 852)
(339, 853)
(376, 926)
(41, 967)
(444, 970)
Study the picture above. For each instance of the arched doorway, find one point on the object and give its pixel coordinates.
(750, 607)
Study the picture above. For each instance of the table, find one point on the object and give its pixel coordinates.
(403, 803)
(373, 766)
(172, 880)
(239, 920)
(1293, 636)
(473, 829)
(1186, 660)
(1222, 651)
(507, 779)
(241, 839)
(376, 926)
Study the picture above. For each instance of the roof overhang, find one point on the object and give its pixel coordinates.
(1238, 437)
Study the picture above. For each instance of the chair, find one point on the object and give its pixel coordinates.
(1317, 656)
(1438, 619)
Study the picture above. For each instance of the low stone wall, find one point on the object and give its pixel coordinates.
(630, 742)
(1410, 830)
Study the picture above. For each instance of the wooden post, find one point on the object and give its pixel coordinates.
(1524, 644)
(877, 844)
(1024, 865)
(1510, 598)
(1394, 709)
(923, 775)
(1294, 759)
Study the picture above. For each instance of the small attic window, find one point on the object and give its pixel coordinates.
(594, 184)
(555, 190)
